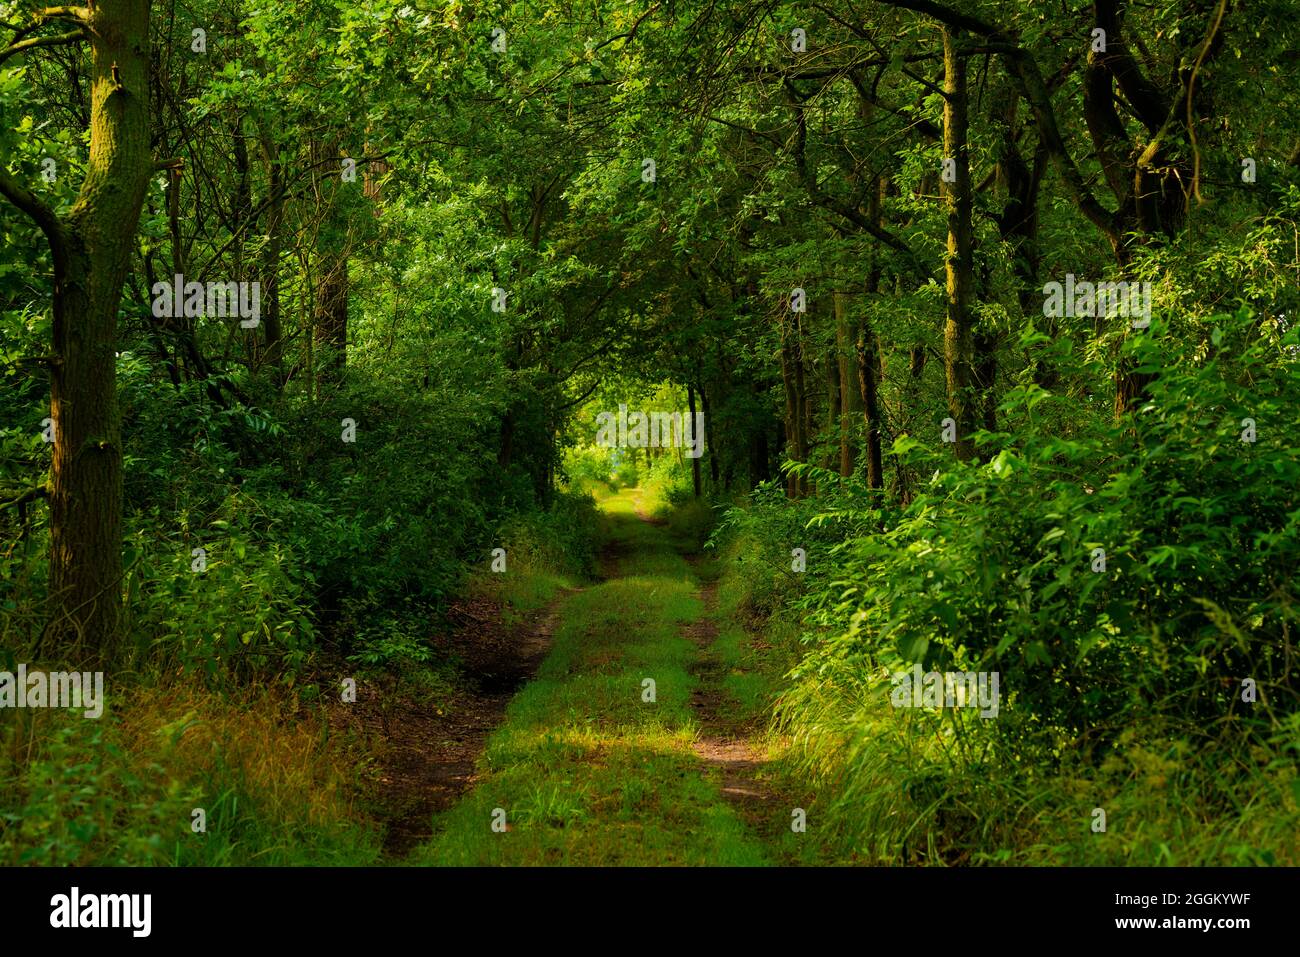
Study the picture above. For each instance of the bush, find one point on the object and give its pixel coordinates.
(1121, 684)
(998, 566)
(560, 539)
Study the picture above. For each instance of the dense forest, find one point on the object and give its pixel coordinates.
(630, 432)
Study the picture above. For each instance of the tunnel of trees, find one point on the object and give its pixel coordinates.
(987, 309)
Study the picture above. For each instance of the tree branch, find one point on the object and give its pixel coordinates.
(40, 213)
(954, 18)
(76, 14)
(30, 495)
(1024, 70)
(824, 199)
(31, 43)
(580, 399)
(1149, 103)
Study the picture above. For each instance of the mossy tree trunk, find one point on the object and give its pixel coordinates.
(91, 249)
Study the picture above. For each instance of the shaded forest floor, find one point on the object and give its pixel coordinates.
(428, 753)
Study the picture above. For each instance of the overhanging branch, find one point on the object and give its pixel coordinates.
(31, 43)
(1025, 72)
(40, 213)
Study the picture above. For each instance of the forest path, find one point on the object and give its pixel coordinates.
(429, 755)
(622, 750)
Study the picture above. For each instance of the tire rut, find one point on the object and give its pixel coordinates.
(723, 742)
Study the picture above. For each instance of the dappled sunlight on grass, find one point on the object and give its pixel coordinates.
(595, 762)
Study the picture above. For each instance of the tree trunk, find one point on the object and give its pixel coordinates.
(760, 462)
(695, 462)
(270, 266)
(958, 342)
(847, 334)
(834, 420)
(89, 271)
(709, 442)
(792, 378)
(331, 323)
(330, 313)
(803, 405)
(869, 359)
(868, 378)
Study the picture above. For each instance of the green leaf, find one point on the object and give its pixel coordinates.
(913, 647)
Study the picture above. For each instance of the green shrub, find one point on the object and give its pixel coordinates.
(1121, 686)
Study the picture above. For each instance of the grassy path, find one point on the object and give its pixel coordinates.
(584, 770)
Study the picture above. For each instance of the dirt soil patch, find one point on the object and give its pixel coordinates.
(427, 751)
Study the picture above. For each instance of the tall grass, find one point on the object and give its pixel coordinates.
(271, 785)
